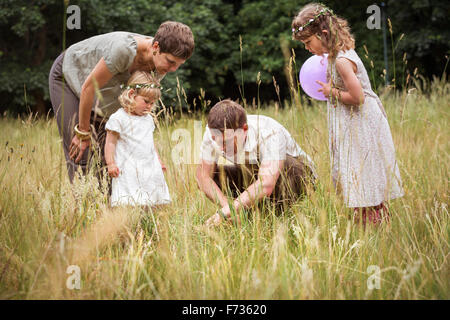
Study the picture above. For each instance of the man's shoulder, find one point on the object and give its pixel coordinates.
(260, 117)
(262, 123)
(207, 139)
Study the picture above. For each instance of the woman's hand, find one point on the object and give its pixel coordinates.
(113, 170)
(77, 148)
(97, 79)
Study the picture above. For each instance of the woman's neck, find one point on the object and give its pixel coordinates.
(144, 58)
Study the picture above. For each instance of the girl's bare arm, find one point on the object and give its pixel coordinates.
(110, 151)
(354, 94)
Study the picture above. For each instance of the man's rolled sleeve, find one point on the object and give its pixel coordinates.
(207, 149)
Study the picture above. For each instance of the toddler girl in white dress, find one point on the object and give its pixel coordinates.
(130, 153)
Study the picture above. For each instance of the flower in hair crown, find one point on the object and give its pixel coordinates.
(140, 86)
(321, 13)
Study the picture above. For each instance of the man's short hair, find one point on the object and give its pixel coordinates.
(175, 38)
(227, 114)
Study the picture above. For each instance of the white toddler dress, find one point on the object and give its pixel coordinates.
(141, 179)
(364, 168)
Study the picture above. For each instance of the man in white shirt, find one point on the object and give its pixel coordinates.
(261, 160)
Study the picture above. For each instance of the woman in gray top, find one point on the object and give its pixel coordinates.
(93, 71)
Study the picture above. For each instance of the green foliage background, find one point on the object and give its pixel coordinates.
(235, 40)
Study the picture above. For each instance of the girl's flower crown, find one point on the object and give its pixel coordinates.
(140, 86)
(321, 13)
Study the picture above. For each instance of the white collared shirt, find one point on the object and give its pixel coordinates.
(264, 133)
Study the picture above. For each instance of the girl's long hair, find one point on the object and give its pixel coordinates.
(339, 36)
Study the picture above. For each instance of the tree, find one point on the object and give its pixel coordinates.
(235, 41)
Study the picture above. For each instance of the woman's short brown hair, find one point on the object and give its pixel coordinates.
(175, 38)
(227, 114)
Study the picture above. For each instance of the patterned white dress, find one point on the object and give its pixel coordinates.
(141, 179)
(363, 164)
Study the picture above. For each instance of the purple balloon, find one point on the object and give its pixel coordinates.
(314, 68)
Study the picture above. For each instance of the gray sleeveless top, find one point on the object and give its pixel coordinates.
(118, 50)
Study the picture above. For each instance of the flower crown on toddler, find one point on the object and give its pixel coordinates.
(140, 86)
(321, 13)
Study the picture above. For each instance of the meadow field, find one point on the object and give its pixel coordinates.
(49, 228)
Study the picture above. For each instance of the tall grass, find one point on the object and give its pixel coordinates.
(310, 251)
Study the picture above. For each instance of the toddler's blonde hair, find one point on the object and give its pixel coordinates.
(339, 36)
(140, 78)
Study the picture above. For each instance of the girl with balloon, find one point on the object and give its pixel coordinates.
(363, 164)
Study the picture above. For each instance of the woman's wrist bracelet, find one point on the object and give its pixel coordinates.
(82, 135)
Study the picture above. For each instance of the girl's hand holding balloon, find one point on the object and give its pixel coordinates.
(326, 88)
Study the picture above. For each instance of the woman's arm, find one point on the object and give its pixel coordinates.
(354, 94)
(110, 151)
(98, 78)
